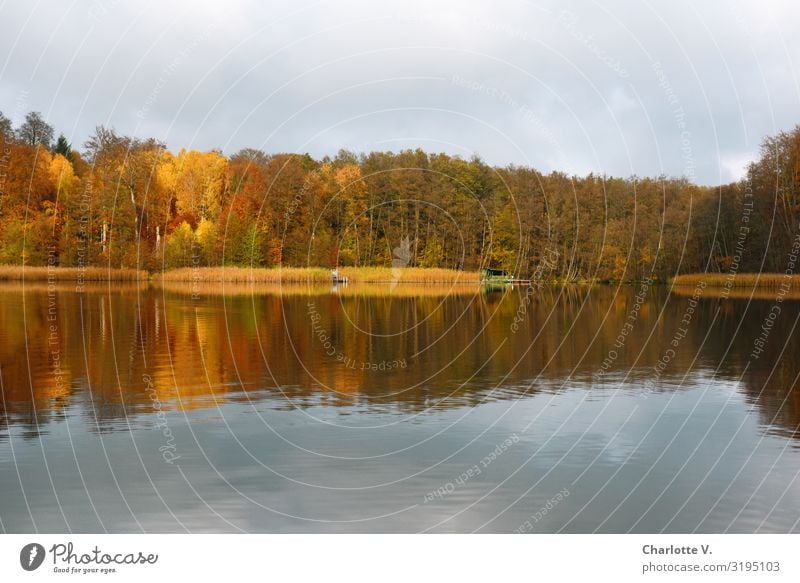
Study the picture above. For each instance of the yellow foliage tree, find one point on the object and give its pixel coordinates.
(63, 176)
(199, 182)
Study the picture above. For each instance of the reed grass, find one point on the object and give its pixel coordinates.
(75, 274)
(739, 280)
(64, 286)
(383, 290)
(312, 275)
(424, 275)
(246, 275)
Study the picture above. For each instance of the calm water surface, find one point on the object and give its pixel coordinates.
(397, 409)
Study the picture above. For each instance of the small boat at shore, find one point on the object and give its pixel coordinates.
(491, 276)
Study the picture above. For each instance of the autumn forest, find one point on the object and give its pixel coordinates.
(121, 201)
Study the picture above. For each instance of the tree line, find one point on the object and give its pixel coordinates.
(124, 201)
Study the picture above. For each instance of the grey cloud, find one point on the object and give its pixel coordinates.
(618, 88)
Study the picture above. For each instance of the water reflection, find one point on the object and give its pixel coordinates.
(116, 354)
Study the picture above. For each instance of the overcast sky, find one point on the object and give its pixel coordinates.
(620, 87)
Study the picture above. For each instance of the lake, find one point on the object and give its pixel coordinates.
(405, 408)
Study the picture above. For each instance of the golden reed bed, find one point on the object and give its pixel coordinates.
(74, 274)
(319, 275)
(385, 290)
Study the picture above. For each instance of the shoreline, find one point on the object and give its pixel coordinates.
(372, 275)
(317, 275)
(240, 275)
(69, 274)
